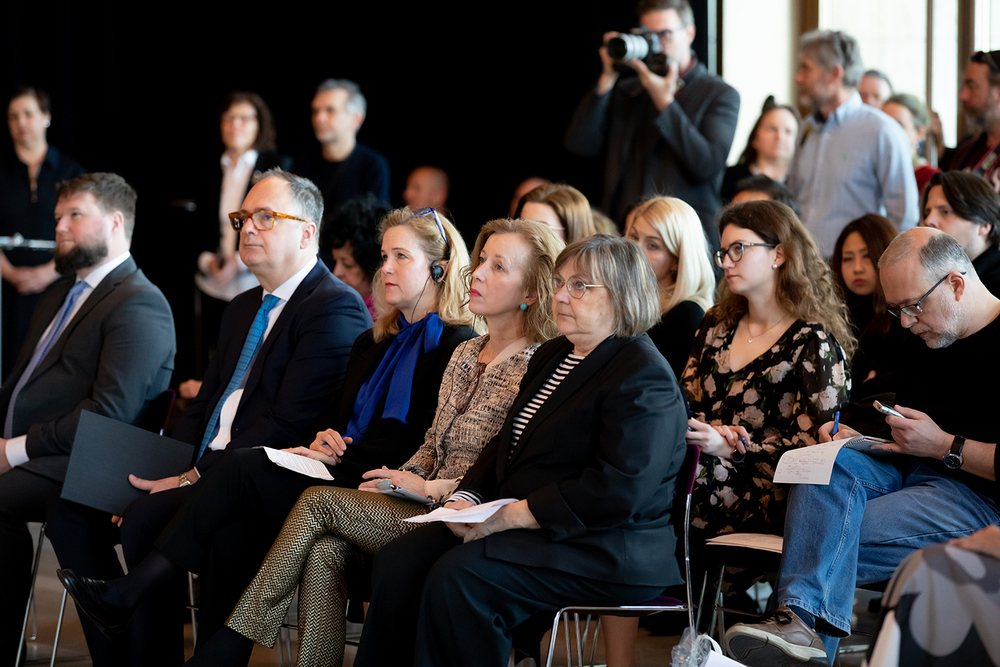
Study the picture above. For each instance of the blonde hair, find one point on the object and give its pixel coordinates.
(806, 286)
(683, 236)
(450, 304)
(543, 248)
(570, 206)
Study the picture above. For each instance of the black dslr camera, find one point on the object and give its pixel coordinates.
(640, 44)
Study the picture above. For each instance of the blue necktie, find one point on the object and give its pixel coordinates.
(58, 324)
(253, 341)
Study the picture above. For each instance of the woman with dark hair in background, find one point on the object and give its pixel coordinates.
(248, 137)
(562, 207)
(769, 150)
(855, 264)
(29, 171)
(349, 244)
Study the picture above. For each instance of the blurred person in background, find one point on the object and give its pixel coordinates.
(427, 187)
(29, 171)
(350, 247)
(562, 207)
(912, 114)
(769, 150)
(875, 88)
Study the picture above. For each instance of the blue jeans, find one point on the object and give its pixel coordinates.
(856, 530)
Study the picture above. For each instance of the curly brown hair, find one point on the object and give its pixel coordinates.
(806, 286)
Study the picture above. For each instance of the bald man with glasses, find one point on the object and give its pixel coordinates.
(934, 481)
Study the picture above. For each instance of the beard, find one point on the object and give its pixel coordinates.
(951, 329)
(81, 257)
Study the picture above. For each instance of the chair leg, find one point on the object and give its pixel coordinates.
(553, 635)
(55, 642)
(31, 593)
(593, 645)
(718, 605)
(193, 609)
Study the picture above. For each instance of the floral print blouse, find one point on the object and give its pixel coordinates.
(782, 398)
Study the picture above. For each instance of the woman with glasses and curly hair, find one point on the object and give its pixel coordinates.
(768, 367)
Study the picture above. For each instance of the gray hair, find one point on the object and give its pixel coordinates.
(938, 257)
(304, 192)
(830, 48)
(356, 102)
(621, 267)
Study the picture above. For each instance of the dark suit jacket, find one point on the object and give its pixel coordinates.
(390, 442)
(680, 151)
(597, 464)
(298, 371)
(113, 358)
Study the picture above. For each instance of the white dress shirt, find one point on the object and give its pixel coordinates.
(284, 293)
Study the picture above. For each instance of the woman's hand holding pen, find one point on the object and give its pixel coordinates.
(722, 441)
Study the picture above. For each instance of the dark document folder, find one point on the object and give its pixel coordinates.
(106, 451)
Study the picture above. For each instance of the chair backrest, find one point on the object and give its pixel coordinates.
(682, 516)
(158, 412)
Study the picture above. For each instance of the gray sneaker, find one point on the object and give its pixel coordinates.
(783, 639)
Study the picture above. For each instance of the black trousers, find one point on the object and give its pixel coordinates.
(23, 498)
(438, 602)
(222, 528)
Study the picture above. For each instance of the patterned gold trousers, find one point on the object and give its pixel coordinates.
(324, 540)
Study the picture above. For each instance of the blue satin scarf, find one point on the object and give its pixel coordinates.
(393, 377)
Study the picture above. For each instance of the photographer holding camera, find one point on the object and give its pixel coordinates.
(667, 130)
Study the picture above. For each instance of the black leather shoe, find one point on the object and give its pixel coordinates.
(89, 594)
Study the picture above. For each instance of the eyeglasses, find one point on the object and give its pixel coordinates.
(666, 34)
(425, 211)
(575, 286)
(263, 219)
(914, 309)
(735, 251)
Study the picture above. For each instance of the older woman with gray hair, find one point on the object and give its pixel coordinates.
(589, 454)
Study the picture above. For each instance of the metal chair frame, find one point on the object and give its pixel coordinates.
(687, 470)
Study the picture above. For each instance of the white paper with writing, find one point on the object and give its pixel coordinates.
(814, 464)
(474, 514)
(300, 464)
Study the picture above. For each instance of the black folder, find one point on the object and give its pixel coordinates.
(106, 451)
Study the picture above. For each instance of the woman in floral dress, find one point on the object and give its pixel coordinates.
(769, 365)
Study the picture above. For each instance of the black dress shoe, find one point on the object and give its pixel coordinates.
(89, 594)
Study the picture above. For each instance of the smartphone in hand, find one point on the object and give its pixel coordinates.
(886, 410)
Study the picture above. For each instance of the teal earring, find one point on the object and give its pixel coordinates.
(524, 306)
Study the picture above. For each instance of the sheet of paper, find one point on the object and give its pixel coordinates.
(718, 660)
(751, 540)
(808, 465)
(300, 464)
(475, 514)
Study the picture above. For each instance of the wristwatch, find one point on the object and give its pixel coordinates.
(182, 479)
(953, 459)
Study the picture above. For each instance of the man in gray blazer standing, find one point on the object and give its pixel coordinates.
(101, 339)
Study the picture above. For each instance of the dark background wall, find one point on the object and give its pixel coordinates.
(483, 90)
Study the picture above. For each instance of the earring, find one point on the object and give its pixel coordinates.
(774, 266)
(524, 306)
(48, 123)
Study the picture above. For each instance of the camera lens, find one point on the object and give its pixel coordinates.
(627, 47)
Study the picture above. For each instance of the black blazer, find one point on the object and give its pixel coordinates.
(298, 371)
(389, 442)
(113, 358)
(597, 464)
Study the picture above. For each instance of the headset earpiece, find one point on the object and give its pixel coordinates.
(437, 272)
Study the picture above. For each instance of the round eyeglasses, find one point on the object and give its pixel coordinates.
(735, 251)
(575, 286)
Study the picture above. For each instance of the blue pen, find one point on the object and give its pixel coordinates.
(836, 423)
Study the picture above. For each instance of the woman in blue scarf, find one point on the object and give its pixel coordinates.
(389, 397)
